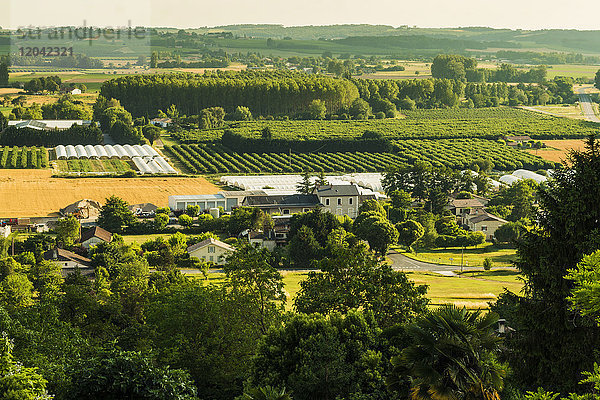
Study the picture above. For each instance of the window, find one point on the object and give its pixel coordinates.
(350, 200)
(212, 258)
(326, 202)
(483, 228)
(286, 212)
(339, 202)
(211, 249)
(338, 211)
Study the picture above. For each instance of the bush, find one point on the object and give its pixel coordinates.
(487, 264)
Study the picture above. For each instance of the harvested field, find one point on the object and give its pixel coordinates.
(34, 193)
(557, 149)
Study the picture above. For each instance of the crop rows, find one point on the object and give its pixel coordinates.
(85, 165)
(23, 157)
(458, 154)
(421, 124)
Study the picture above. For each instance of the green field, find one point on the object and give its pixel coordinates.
(84, 165)
(489, 123)
(23, 157)
(473, 257)
(457, 154)
(465, 291)
(573, 70)
(470, 291)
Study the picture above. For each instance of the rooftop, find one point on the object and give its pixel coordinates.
(210, 241)
(337, 190)
(282, 200)
(96, 231)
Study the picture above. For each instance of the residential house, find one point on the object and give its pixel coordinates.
(70, 261)
(463, 208)
(339, 199)
(93, 236)
(283, 204)
(211, 250)
(486, 223)
(264, 240)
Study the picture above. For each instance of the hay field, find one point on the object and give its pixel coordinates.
(557, 149)
(34, 193)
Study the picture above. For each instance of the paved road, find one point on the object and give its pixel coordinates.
(586, 105)
(402, 263)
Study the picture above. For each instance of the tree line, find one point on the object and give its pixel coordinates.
(264, 93)
(77, 134)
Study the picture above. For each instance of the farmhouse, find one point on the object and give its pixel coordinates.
(486, 223)
(211, 250)
(339, 199)
(463, 208)
(69, 261)
(47, 124)
(94, 236)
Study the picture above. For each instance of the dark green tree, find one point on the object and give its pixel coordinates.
(453, 355)
(353, 278)
(557, 343)
(120, 374)
(115, 214)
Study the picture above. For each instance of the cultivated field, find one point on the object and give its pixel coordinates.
(34, 193)
(557, 149)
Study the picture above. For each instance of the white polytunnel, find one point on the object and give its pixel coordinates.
(100, 151)
(141, 151)
(121, 152)
(80, 151)
(71, 153)
(91, 152)
(110, 151)
(150, 150)
(61, 152)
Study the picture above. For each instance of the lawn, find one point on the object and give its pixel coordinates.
(464, 291)
(473, 290)
(139, 239)
(572, 70)
(473, 257)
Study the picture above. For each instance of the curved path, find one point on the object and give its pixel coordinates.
(586, 105)
(403, 263)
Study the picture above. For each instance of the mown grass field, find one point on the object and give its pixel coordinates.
(473, 257)
(470, 291)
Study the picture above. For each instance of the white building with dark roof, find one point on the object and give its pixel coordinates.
(339, 199)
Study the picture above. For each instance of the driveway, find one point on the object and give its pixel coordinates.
(586, 104)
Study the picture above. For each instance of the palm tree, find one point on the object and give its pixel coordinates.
(453, 357)
(265, 393)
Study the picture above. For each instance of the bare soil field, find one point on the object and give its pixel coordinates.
(557, 149)
(34, 193)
